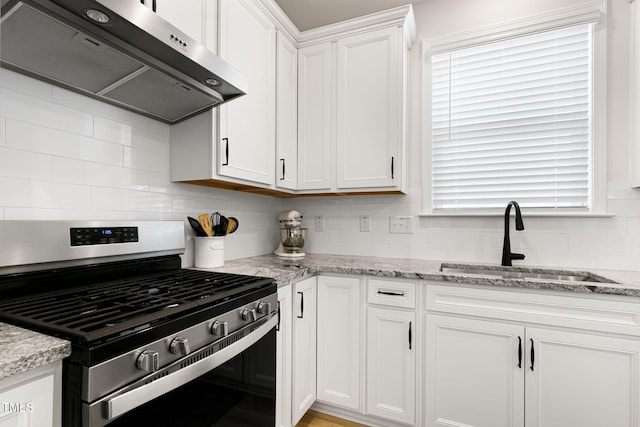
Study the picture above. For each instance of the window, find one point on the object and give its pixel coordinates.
(513, 119)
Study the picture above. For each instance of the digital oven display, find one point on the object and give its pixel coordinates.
(87, 236)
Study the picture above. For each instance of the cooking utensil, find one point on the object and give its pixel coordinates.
(195, 224)
(205, 222)
(224, 223)
(233, 224)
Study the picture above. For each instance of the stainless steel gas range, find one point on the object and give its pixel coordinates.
(152, 343)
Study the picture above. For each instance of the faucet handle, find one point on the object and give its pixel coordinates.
(516, 256)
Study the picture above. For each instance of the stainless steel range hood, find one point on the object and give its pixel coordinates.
(134, 59)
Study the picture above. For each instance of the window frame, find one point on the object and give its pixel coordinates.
(589, 12)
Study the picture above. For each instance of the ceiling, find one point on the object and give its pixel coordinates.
(308, 14)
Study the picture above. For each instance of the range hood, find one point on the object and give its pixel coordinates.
(131, 57)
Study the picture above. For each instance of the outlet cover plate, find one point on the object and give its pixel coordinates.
(401, 225)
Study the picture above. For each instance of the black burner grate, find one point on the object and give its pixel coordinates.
(100, 310)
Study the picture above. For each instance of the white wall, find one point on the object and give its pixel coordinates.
(605, 243)
(66, 156)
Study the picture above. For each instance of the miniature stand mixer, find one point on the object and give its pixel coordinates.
(292, 236)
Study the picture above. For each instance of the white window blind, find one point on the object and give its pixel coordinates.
(511, 120)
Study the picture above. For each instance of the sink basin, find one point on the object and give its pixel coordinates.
(524, 273)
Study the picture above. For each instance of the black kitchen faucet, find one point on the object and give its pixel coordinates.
(507, 255)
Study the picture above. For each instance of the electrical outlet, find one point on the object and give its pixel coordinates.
(401, 224)
(319, 221)
(365, 224)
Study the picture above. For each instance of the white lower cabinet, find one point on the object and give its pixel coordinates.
(391, 350)
(304, 347)
(32, 399)
(472, 373)
(339, 338)
(503, 374)
(575, 379)
(283, 357)
(391, 364)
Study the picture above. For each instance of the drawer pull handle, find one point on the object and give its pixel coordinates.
(393, 294)
(410, 335)
(520, 352)
(301, 305)
(532, 355)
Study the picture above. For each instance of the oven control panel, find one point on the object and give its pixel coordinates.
(86, 236)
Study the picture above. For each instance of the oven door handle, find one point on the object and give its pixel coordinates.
(119, 405)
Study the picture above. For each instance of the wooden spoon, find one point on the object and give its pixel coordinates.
(205, 222)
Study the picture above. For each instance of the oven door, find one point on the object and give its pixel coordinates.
(233, 384)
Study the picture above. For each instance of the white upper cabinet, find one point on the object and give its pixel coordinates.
(287, 114)
(369, 110)
(351, 107)
(634, 116)
(315, 144)
(247, 41)
(324, 112)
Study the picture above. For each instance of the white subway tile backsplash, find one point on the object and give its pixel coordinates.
(145, 160)
(128, 200)
(26, 85)
(39, 139)
(21, 107)
(2, 131)
(27, 193)
(24, 164)
(131, 136)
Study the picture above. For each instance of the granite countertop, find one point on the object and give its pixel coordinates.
(287, 269)
(22, 350)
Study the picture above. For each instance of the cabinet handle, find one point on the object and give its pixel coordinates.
(393, 294)
(282, 179)
(301, 305)
(392, 159)
(520, 352)
(533, 356)
(410, 335)
(278, 324)
(153, 5)
(226, 151)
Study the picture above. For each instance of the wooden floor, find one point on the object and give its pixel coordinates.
(318, 419)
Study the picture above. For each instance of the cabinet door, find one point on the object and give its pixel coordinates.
(283, 358)
(287, 115)
(474, 373)
(186, 15)
(339, 337)
(29, 403)
(391, 364)
(315, 139)
(247, 125)
(304, 347)
(581, 380)
(369, 109)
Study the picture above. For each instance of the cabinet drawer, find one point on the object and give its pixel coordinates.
(393, 293)
(605, 313)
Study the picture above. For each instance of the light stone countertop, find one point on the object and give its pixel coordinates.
(286, 269)
(21, 349)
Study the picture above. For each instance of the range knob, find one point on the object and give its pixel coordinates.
(147, 361)
(220, 328)
(264, 308)
(180, 346)
(249, 314)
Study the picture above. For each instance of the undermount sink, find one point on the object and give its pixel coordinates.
(524, 273)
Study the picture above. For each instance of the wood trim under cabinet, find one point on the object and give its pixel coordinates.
(225, 185)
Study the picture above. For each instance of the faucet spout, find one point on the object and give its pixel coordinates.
(507, 255)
